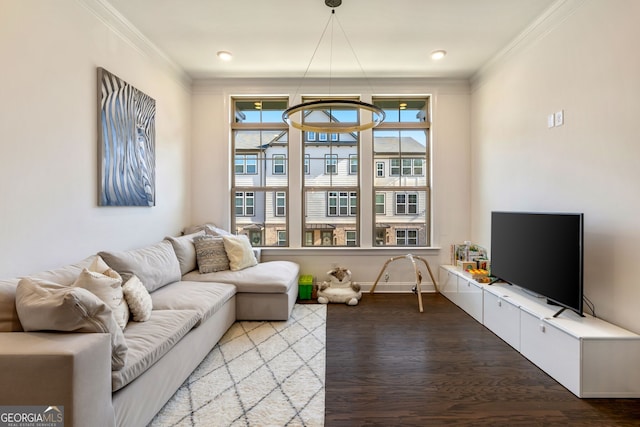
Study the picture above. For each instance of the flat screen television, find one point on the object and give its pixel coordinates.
(542, 253)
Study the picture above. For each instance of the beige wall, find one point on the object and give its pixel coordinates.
(451, 168)
(48, 148)
(589, 66)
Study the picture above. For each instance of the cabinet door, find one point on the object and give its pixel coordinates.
(502, 318)
(552, 350)
(448, 285)
(470, 298)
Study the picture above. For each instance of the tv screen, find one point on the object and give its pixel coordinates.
(541, 252)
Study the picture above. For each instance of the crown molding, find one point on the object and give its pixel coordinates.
(117, 23)
(550, 19)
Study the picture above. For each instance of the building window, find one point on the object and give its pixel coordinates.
(308, 238)
(380, 204)
(281, 203)
(334, 137)
(342, 203)
(322, 136)
(402, 142)
(246, 164)
(279, 165)
(282, 238)
(406, 237)
(311, 136)
(409, 167)
(406, 203)
(351, 238)
(245, 204)
(260, 182)
(353, 164)
(331, 164)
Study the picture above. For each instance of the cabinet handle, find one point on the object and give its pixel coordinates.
(499, 303)
(542, 328)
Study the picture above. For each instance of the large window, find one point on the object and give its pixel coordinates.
(331, 181)
(260, 181)
(402, 194)
(329, 167)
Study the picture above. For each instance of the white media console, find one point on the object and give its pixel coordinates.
(588, 356)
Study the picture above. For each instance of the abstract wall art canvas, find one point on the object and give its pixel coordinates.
(126, 143)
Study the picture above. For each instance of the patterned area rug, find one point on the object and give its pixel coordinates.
(259, 374)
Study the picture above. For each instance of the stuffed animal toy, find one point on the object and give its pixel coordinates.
(339, 288)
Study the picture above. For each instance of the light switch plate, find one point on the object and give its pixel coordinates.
(559, 118)
(551, 120)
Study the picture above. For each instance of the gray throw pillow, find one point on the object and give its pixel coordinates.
(211, 254)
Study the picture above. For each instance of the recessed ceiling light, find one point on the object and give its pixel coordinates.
(438, 54)
(224, 55)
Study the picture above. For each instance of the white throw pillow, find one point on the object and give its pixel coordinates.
(138, 299)
(108, 287)
(239, 251)
(48, 306)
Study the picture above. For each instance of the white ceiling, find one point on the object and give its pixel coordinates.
(384, 38)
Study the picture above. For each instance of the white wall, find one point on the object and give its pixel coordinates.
(48, 146)
(589, 66)
(451, 167)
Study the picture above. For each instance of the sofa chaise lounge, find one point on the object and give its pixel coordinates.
(191, 311)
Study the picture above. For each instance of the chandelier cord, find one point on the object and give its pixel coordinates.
(306, 71)
(355, 55)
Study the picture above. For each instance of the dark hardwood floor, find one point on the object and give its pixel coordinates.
(390, 365)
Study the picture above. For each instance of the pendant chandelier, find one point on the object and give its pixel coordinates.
(330, 104)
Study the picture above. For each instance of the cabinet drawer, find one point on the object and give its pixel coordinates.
(470, 298)
(448, 285)
(502, 318)
(552, 350)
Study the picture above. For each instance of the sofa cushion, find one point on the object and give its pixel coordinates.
(48, 306)
(108, 287)
(9, 320)
(151, 340)
(138, 299)
(267, 277)
(209, 228)
(205, 298)
(211, 254)
(239, 251)
(185, 250)
(65, 275)
(156, 265)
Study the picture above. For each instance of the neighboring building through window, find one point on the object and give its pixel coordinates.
(402, 199)
(330, 189)
(260, 182)
(329, 164)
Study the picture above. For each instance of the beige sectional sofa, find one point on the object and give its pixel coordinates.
(191, 312)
